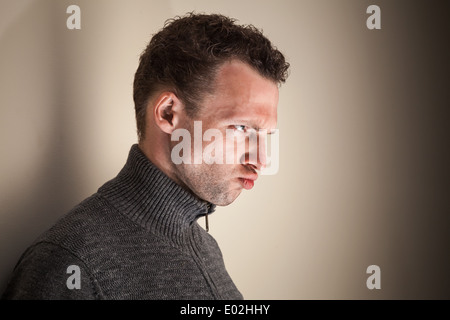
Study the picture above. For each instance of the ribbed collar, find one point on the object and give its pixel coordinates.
(150, 198)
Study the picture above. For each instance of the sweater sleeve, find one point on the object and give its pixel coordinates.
(49, 272)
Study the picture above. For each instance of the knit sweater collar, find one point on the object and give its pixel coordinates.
(150, 198)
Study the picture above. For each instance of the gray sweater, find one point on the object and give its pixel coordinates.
(136, 238)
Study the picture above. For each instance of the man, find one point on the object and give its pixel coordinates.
(138, 237)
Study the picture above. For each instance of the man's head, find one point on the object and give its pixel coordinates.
(207, 68)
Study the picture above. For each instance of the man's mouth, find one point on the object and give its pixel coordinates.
(249, 181)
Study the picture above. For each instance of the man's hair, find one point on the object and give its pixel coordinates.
(184, 56)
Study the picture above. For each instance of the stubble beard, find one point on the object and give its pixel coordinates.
(208, 182)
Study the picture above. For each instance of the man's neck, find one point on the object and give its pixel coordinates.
(161, 159)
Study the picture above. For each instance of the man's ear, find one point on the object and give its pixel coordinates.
(167, 112)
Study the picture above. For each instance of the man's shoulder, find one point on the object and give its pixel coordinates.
(43, 272)
(96, 232)
(91, 225)
(85, 221)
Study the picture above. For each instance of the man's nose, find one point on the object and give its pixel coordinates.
(256, 153)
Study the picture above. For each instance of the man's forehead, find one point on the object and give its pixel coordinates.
(242, 96)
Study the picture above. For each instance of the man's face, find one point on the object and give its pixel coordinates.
(234, 122)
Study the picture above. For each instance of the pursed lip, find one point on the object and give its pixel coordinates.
(248, 177)
(248, 181)
(252, 176)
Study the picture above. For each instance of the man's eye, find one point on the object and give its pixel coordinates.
(240, 128)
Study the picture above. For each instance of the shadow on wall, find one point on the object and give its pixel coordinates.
(56, 86)
(35, 172)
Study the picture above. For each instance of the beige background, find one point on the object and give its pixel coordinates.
(363, 124)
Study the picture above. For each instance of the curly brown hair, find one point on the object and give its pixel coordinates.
(186, 53)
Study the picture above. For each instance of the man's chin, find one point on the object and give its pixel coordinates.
(226, 199)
